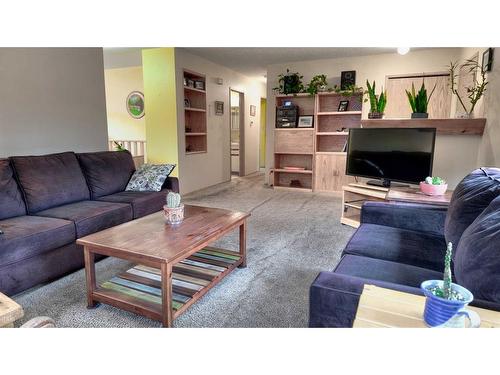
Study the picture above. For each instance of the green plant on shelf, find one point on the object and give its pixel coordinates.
(289, 83)
(419, 101)
(377, 102)
(476, 90)
(119, 147)
(350, 90)
(318, 83)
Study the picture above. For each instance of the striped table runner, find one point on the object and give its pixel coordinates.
(189, 277)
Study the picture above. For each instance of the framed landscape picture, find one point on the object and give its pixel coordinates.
(135, 104)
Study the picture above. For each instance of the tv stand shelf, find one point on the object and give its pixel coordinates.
(354, 195)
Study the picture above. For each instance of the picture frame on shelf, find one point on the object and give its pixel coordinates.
(253, 110)
(343, 105)
(190, 83)
(187, 103)
(305, 122)
(219, 108)
(487, 60)
(199, 85)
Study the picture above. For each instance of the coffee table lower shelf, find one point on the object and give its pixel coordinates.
(138, 289)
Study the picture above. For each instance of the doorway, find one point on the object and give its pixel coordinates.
(237, 131)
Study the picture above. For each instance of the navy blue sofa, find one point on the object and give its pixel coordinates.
(48, 201)
(397, 246)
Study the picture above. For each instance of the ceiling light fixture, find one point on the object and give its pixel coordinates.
(403, 50)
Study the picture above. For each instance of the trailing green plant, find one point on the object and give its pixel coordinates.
(119, 147)
(377, 102)
(289, 83)
(317, 82)
(419, 101)
(351, 90)
(173, 200)
(476, 90)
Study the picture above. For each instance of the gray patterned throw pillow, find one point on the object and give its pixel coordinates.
(149, 177)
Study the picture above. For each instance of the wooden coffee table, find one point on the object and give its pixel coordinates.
(175, 266)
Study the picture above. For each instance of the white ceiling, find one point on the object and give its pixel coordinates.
(253, 61)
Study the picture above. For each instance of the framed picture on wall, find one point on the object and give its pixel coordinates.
(135, 104)
(487, 60)
(305, 122)
(253, 109)
(219, 108)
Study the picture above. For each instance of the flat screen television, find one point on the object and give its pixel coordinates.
(391, 154)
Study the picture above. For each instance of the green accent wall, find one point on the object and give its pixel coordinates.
(158, 69)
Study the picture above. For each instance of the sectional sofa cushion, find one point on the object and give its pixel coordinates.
(27, 236)
(421, 249)
(477, 259)
(143, 202)
(383, 270)
(471, 196)
(150, 177)
(107, 172)
(91, 216)
(11, 200)
(50, 180)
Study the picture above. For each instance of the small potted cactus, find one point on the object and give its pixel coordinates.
(445, 301)
(174, 209)
(433, 186)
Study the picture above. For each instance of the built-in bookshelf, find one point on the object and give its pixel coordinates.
(195, 112)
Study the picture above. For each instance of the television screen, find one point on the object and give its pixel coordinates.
(391, 154)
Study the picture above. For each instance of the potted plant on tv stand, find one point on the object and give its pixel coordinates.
(377, 102)
(419, 101)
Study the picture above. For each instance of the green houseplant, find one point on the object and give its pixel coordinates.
(318, 84)
(475, 91)
(289, 83)
(419, 101)
(377, 102)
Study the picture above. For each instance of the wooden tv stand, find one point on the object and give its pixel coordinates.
(355, 194)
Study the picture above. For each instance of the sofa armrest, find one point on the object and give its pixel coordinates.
(334, 298)
(172, 183)
(418, 217)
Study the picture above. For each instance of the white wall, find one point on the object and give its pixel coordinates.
(201, 170)
(455, 156)
(52, 100)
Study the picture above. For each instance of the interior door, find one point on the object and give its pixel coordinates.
(397, 101)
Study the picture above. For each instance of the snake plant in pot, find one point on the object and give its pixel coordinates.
(419, 101)
(377, 102)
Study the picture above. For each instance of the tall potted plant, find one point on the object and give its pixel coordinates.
(377, 102)
(475, 91)
(419, 101)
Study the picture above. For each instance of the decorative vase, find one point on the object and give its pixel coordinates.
(419, 115)
(173, 215)
(433, 190)
(445, 313)
(375, 115)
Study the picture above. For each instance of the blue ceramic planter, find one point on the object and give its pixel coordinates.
(438, 311)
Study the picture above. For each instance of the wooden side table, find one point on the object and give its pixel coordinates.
(386, 308)
(414, 195)
(10, 311)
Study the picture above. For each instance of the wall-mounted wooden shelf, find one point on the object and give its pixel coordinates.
(195, 109)
(300, 171)
(194, 134)
(449, 126)
(193, 89)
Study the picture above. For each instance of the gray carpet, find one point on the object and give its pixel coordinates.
(292, 236)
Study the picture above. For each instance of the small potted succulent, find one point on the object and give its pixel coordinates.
(419, 101)
(174, 209)
(445, 301)
(377, 102)
(433, 186)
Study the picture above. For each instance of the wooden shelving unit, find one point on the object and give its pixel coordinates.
(195, 117)
(353, 197)
(331, 135)
(319, 150)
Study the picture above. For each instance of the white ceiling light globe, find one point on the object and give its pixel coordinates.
(403, 50)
